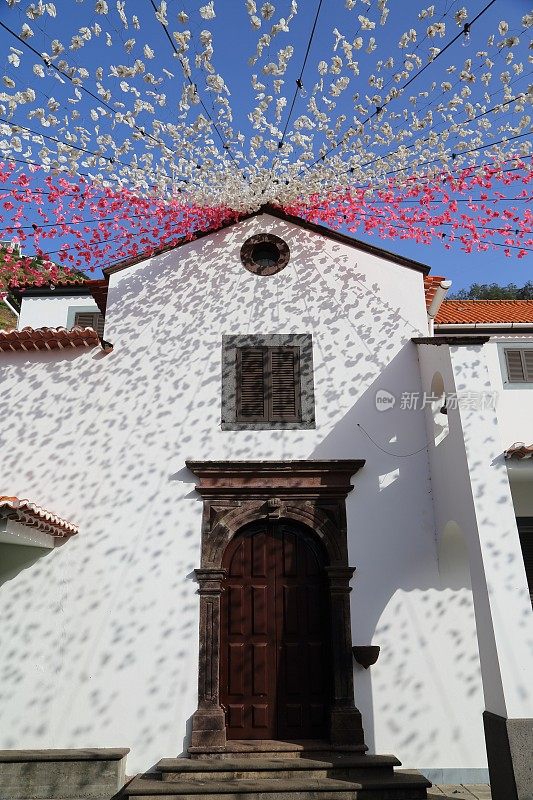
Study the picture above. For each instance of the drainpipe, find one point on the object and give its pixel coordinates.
(440, 294)
(11, 308)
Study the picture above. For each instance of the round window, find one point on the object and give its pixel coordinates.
(265, 254)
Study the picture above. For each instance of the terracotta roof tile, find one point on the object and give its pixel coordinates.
(519, 450)
(34, 516)
(457, 312)
(30, 339)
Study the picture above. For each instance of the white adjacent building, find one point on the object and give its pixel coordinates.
(268, 407)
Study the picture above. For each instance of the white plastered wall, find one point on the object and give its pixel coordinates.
(515, 417)
(103, 631)
(471, 490)
(53, 312)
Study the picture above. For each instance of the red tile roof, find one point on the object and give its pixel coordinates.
(36, 517)
(30, 339)
(519, 450)
(466, 312)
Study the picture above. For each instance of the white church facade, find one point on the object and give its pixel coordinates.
(266, 464)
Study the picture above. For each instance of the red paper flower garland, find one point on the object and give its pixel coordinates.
(73, 223)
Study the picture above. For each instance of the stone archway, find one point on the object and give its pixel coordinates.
(235, 494)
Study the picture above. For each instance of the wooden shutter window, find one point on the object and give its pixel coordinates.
(284, 405)
(515, 370)
(251, 406)
(90, 320)
(528, 364)
(519, 365)
(268, 384)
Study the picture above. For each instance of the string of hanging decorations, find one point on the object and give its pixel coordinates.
(127, 125)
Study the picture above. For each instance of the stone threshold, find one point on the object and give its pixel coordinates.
(96, 754)
(267, 747)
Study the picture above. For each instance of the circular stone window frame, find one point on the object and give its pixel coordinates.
(250, 244)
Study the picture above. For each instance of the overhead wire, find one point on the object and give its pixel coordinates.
(502, 104)
(451, 157)
(401, 90)
(140, 129)
(420, 142)
(225, 144)
(50, 64)
(299, 84)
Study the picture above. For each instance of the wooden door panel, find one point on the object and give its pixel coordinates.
(291, 610)
(315, 659)
(260, 716)
(236, 668)
(304, 683)
(274, 671)
(260, 603)
(315, 613)
(289, 546)
(293, 716)
(259, 556)
(260, 668)
(248, 629)
(236, 610)
(236, 717)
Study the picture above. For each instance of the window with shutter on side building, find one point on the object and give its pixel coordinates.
(86, 319)
(519, 364)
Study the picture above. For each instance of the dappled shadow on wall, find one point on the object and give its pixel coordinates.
(411, 591)
(103, 632)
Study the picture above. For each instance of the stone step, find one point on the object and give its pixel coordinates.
(352, 767)
(272, 748)
(396, 787)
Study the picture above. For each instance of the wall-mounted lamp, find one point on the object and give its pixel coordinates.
(366, 655)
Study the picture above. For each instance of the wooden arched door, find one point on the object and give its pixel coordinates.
(275, 667)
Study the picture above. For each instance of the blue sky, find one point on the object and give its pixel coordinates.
(234, 42)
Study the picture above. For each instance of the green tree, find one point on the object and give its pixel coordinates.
(493, 291)
(14, 269)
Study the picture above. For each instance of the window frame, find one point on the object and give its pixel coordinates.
(230, 402)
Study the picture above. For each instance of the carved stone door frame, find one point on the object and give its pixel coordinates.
(236, 493)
